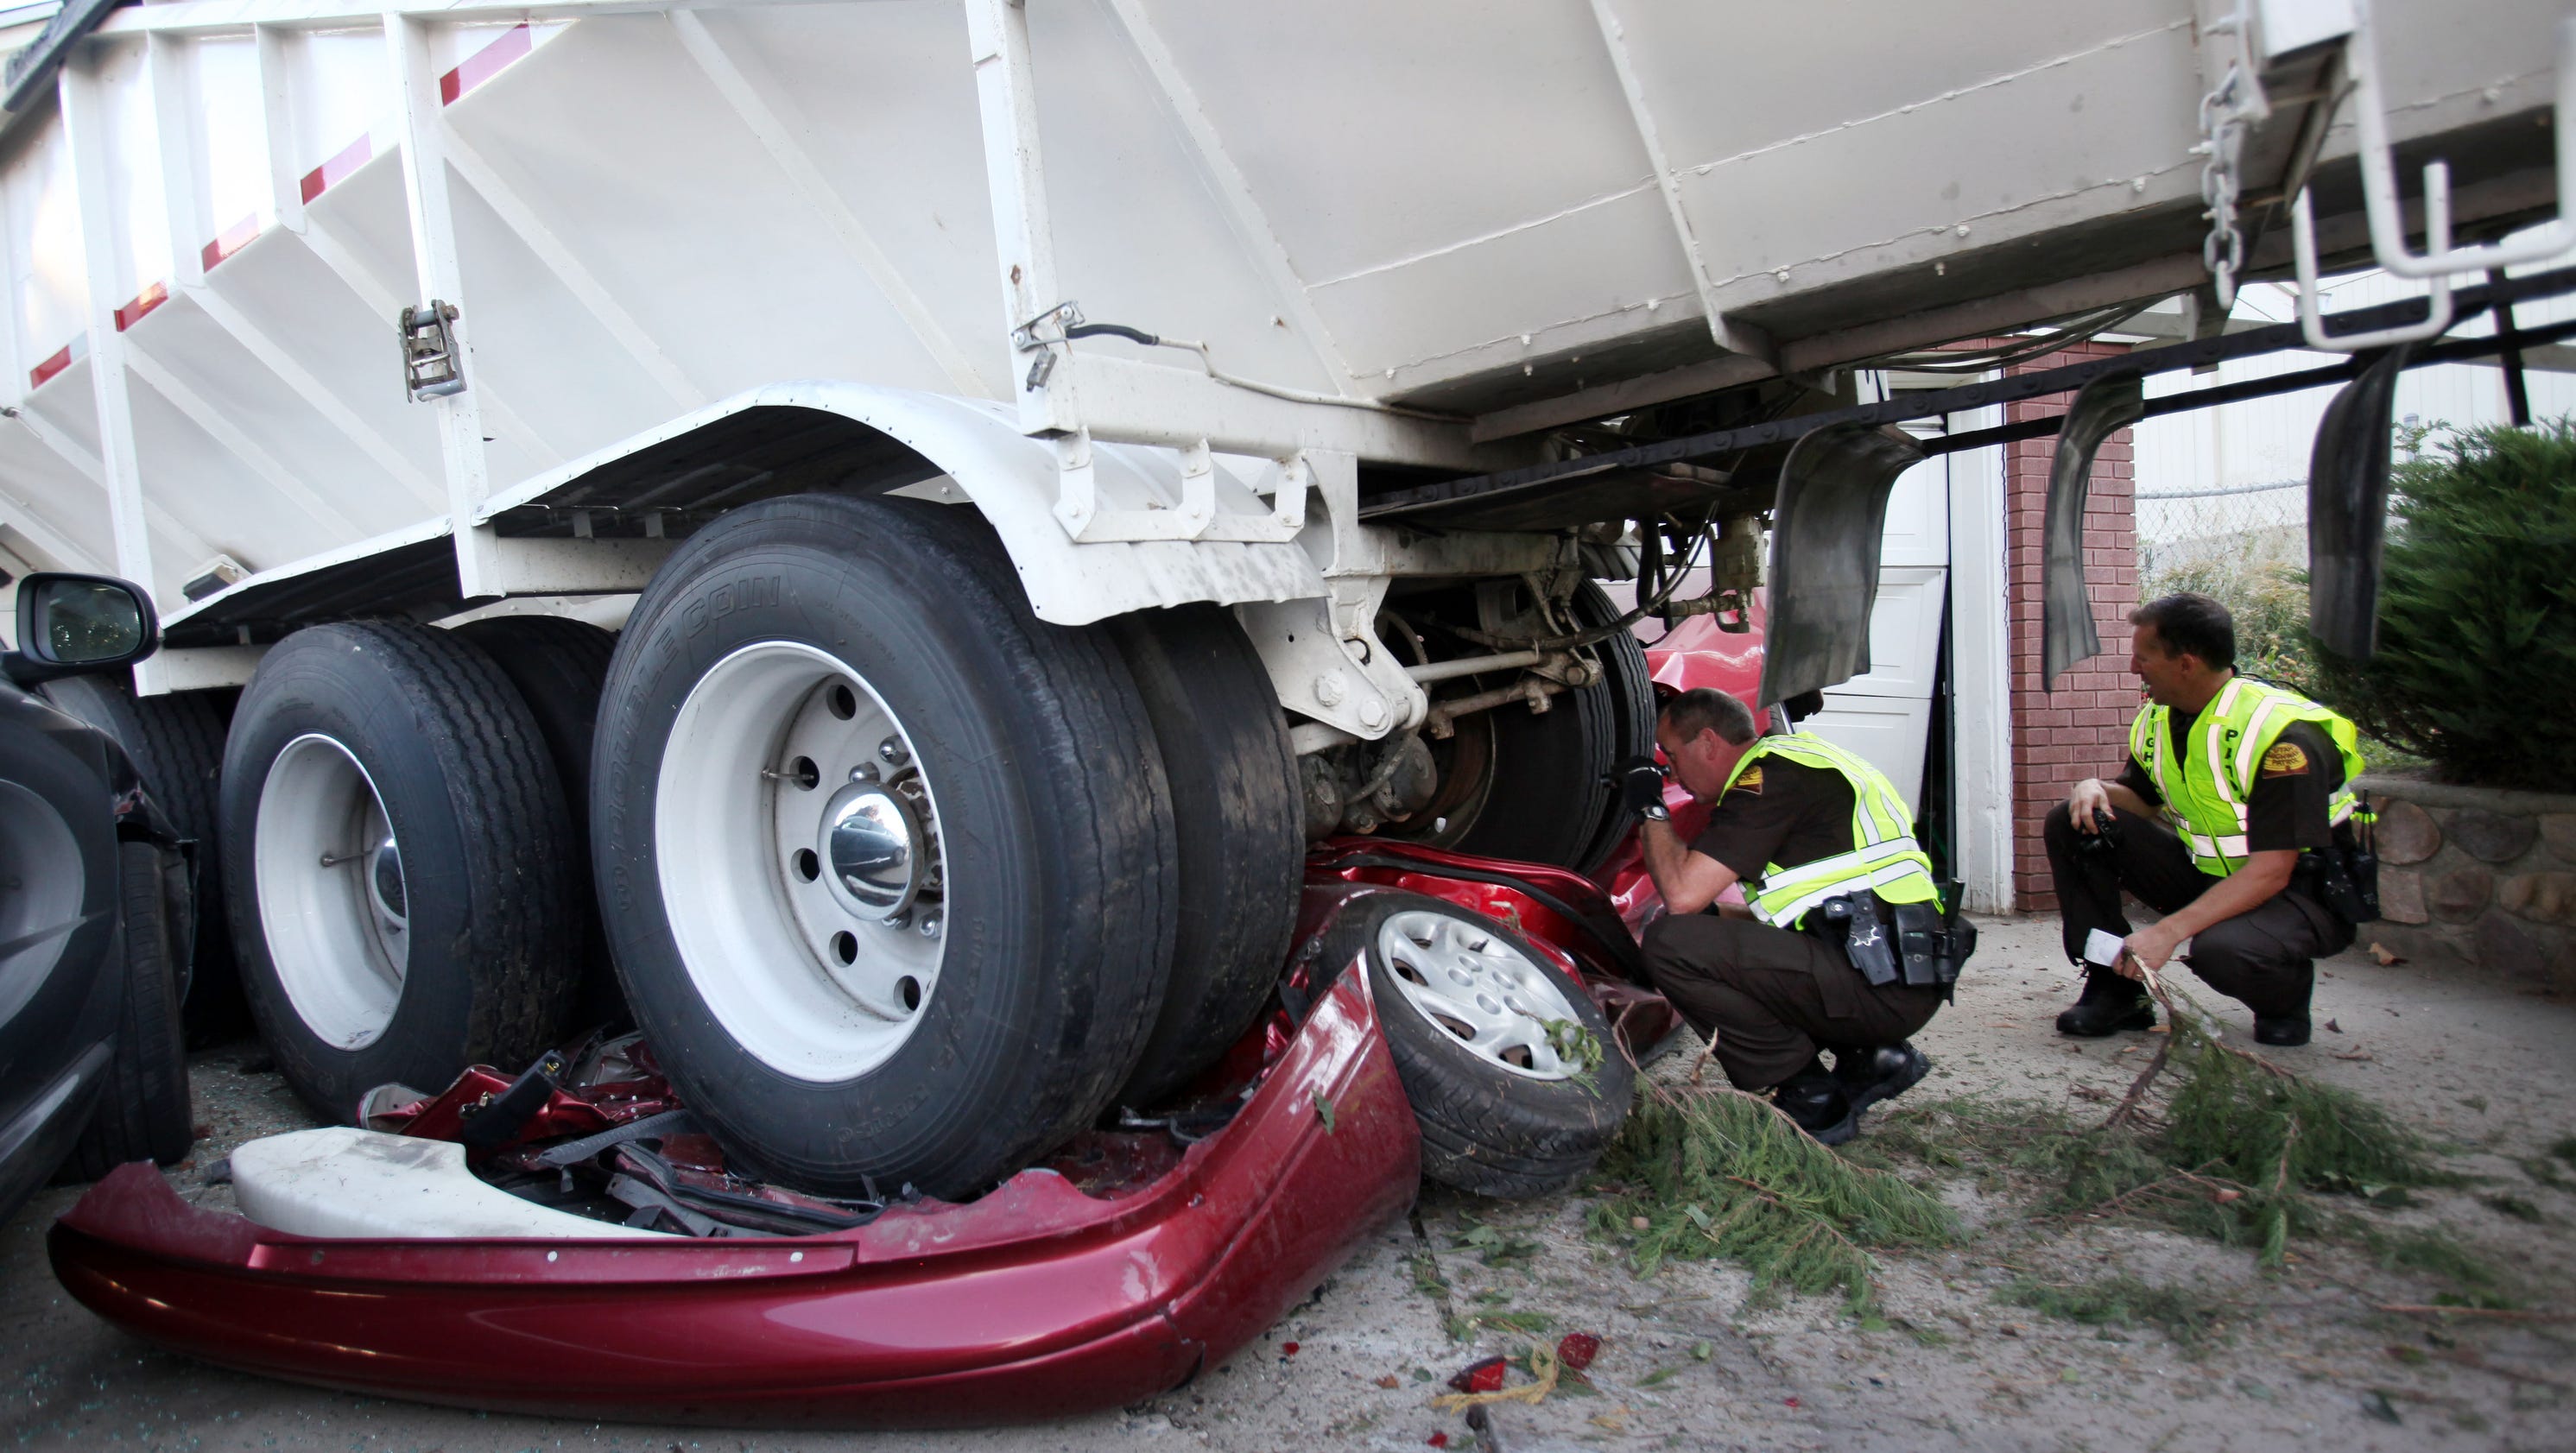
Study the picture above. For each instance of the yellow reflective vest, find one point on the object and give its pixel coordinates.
(1884, 855)
(2207, 788)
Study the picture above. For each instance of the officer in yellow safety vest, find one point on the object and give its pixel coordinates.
(1844, 943)
(2256, 783)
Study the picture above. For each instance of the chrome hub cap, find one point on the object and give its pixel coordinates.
(873, 841)
(333, 904)
(800, 861)
(1481, 990)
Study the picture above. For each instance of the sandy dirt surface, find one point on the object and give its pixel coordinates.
(2304, 1359)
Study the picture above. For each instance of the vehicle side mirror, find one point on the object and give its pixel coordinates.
(69, 625)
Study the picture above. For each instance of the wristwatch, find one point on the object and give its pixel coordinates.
(1655, 812)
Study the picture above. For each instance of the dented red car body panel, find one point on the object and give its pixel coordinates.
(1036, 1301)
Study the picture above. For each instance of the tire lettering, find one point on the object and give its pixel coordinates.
(725, 599)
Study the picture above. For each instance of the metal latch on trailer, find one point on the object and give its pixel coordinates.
(431, 368)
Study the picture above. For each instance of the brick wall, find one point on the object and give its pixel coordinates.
(2080, 729)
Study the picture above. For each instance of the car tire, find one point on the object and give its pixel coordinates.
(400, 757)
(1239, 828)
(143, 1109)
(814, 659)
(559, 666)
(1489, 1125)
(177, 742)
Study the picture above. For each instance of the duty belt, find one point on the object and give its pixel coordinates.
(1925, 949)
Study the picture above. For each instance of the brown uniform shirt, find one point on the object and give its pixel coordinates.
(2287, 805)
(1780, 812)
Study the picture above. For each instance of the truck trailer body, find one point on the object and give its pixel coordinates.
(1066, 456)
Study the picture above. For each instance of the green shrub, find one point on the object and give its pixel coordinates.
(2477, 613)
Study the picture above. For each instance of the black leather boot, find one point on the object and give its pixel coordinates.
(1868, 1076)
(2108, 1005)
(2285, 1031)
(1815, 1100)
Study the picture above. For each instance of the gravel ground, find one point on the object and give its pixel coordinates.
(2304, 1359)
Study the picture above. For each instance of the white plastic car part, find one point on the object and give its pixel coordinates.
(347, 1183)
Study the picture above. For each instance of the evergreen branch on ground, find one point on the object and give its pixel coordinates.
(2210, 1139)
(1720, 1173)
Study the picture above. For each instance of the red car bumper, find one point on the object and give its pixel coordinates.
(1036, 1301)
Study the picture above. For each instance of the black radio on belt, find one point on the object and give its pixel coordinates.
(2343, 878)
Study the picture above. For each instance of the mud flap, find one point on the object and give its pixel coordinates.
(2101, 409)
(1825, 530)
(2348, 508)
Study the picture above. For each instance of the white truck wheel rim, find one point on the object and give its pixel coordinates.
(800, 863)
(1478, 989)
(332, 900)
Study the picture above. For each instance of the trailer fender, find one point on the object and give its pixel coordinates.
(2101, 409)
(1825, 529)
(2348, 508)
(830, 435)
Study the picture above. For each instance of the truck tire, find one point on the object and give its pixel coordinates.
(1465, 1004)
(397, 859)
(177, 742)
(887, 863)
(143, 1110)
(1541, 790)
(1239, 828)
(559, 666)
(1620, 711)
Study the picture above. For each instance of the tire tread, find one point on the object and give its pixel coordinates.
(500, 759)
(143, 1110)
(516, 939)
(177, 742)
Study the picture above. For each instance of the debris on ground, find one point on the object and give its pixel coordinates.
(1485, 1375)
(1484, 1382)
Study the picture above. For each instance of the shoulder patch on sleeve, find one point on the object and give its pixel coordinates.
(1751, 782)
(2284, 760)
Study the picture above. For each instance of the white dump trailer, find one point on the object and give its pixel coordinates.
(1063, 457)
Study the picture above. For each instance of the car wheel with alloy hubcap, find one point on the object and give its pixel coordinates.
(1514, 1080)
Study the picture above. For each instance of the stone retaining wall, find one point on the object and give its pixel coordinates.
(2477, 875)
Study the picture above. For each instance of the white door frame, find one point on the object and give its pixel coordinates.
(1981, 669)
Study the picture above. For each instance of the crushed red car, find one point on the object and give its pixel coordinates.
(1135, 1257)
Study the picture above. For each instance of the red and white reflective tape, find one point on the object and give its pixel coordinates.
(63, 358)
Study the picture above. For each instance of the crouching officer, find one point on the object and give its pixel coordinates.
(1846, 945)
(2264, 874)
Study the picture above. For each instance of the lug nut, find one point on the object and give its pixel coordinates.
(893, 751)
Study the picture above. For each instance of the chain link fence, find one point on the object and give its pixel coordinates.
(2245, 546)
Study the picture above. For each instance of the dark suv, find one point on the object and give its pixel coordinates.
(96, 911)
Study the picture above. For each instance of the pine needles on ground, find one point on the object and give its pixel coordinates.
(2234, 1153)
(1720, 1173)
(2239, 1118)
(2187, 1316)
(2236, 1150)
(2436, 1252)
